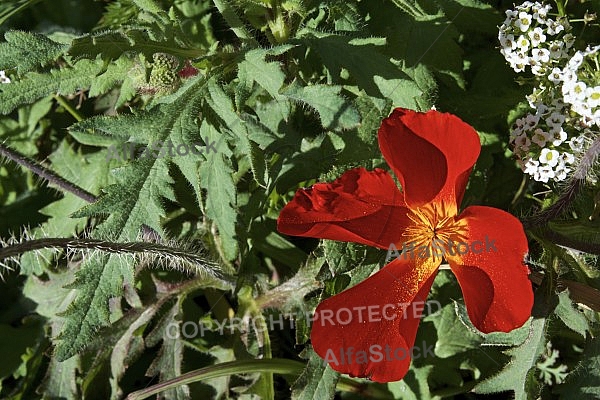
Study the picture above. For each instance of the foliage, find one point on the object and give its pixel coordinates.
(116, 244)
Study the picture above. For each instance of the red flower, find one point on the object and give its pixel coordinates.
(369, 330)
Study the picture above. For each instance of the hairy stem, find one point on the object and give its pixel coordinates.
(112, 247)
(45, 173)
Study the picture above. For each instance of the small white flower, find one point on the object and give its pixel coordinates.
(579, 90)
(555, 75)
(511, 14)
(576, 144)
(567, 158)
(531, 121)
(541, 108)
(541, 55)
(3, 77)
(543, 174)
(536, 36)
(518, 67)
(508, 42)
(538, 70)
(596, 118)
(556, 50)
(523, 43)
(555, 119)
(569, 40)
(520, 58)
(531, 166)
(569, 78)
(558, 136)
(524, 21)
(575, 61)
(560, 173)
(593, 96)
(556, 27)
(549, 157)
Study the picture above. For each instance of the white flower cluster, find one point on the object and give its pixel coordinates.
(581, 85)
(3, 77)
(540, 142)
(530, 38)
(566, 96)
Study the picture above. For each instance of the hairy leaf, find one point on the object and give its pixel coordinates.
(34, 86)
(27, 50)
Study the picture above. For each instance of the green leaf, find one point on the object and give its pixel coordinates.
(168, 362)
(14, 342)
(216, 177)
(267, 74)
(111, 45)
(149, 5)
(222, 105)
(336, 112)
(52, 298)
(456, 337)
(116, 73)
(414, 385)
(568, 314)
(519, 375)
(135, 201)
(581, 230)
(34, 86)
(89, 173)
(26, 51)
(317, 381)
(369, 68)
(584, 381)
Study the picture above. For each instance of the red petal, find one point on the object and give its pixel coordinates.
(343, 323)
(360, 206)
(494, 282)
(431, 153)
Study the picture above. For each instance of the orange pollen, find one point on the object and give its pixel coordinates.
(434, 222)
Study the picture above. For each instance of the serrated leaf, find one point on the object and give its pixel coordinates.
(454, 337)
(572, 318)
(317, 381)
(34, 86)
(216, 177)
(336, 112)
(267, 74)
(223, 107)
(26, 51)
(116, 73)
(149, 5)
(517, 375)
(135, 201)
(100, 279)
(112, 44)
(371, 70)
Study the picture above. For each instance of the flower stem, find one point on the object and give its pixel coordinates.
(67, 106)
(45, 173)
(196, 262)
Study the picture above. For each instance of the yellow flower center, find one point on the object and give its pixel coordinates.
(434, 227)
